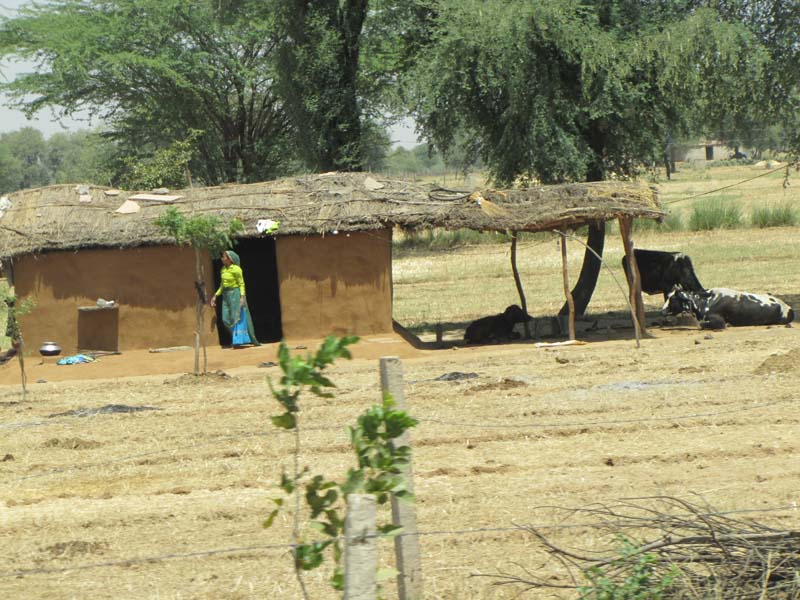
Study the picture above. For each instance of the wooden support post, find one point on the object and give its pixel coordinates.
(567, 291)
(633, 277)
(518, 282)
(361, 548)
(406, 546)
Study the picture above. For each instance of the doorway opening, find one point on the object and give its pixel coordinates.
(260, 269)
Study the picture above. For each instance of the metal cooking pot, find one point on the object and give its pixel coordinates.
(50, 349)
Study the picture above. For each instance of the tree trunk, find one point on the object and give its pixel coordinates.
(587, 280)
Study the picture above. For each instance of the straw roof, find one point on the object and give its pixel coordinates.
(69, 217)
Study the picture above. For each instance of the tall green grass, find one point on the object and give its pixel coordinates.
(782, 215)
(718, 213)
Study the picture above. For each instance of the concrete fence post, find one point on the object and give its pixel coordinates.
(406, 545)
(360, 550)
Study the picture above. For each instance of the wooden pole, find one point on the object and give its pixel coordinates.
(406, 546)
(518, 282)
(633, 276)
(360, 551)
(567, 291)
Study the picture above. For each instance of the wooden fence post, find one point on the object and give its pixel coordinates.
(360, 549)
(406, 545)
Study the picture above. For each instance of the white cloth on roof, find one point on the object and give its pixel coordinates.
(267, 226)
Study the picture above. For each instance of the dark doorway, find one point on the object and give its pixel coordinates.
(261, 284)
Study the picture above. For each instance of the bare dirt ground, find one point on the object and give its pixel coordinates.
(168, 503)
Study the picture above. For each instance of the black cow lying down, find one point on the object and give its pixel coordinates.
(496, 327)
(661, 271)
(717, 306)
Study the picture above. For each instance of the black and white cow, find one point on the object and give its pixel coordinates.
(661, 271)
(716, 307)
(496, 327)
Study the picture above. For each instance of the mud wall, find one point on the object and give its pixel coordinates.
(152, 286)
(337, 284)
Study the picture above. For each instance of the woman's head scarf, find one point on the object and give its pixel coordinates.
(234, 257)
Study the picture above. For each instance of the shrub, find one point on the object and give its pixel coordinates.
(783, 215)
(718, 213)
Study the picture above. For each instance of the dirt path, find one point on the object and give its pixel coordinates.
(169, 502)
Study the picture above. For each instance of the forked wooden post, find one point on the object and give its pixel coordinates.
(406, 546)
(567, 291)
(360, 549)
(632, 275)
(523, 303)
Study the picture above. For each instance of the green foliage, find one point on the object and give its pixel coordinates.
(10, 170)
(23, 161)
(167, 167)
(28, 160)
(153, 70)
(783, 215)
(626, 77)
(719, 213)
(319, 70)
(81, 157)
(202, 232)
(630, 577)
(13, 309)
(420, 159)
(379, 460)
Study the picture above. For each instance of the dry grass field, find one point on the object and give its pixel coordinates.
(168, 503)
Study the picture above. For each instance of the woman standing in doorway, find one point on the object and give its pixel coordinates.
(235, 314)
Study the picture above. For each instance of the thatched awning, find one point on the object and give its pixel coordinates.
(69, 217)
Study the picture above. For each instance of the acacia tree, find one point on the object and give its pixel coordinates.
(575, 90)
(154, 70)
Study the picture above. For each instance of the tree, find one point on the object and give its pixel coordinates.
(153, 70)
(319, 70)
(28, 148)
(576, 90)
(10, 170)
(80, 157)
(168, 167)
(204, 233)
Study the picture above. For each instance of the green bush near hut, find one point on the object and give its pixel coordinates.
(718, 213)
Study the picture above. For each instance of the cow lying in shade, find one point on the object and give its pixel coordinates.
(496, 327)
(660, 271)
(716, 307)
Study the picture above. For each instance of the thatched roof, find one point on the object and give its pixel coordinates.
(68, 217)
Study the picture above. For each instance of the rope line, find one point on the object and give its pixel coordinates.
(383, 536)
(785, 167)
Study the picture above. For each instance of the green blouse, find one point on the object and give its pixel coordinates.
(231, 277)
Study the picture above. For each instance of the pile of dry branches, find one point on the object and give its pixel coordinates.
(683, 550)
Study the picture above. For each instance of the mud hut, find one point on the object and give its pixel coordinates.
(326, 268)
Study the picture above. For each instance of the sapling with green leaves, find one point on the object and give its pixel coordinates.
(204, 233)
(16, 309)
(380, 461)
